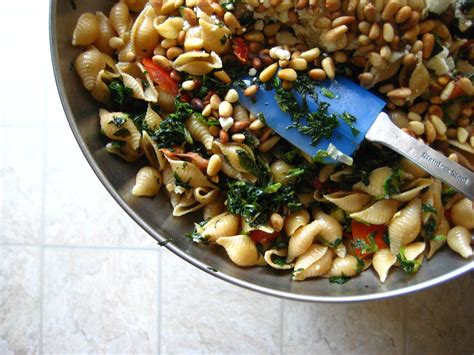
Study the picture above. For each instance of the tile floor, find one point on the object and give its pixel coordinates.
(77, 275)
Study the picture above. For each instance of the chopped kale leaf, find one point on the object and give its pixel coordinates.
(340, 280)
(408, 266)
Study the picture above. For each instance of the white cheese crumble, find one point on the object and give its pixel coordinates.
(252, 72)
(226, 122)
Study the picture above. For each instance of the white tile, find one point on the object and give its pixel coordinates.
(55, 115)
(25, 6)
(358, 328)
(440, 320)
(201, 314)
(19, 300)
(21, 182)
(101, 301)
(78, 209)
(23, 70)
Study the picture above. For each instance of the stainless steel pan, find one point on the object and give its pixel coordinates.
(154, 215)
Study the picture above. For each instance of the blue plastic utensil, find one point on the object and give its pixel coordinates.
(371, 123)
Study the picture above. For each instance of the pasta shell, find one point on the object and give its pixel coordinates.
(106, 32)
(152, 119)
(197, 62)
(419, 81)
(223, 225)
(379, 213)
(120, 19)
(136, 5)
(185, 204)
(412, 189)
(101, 92)
(118, 126)
(88, 65)
(166, 100)
(462, 213)
(231, 152)
(189, 174)
(212, 36)
(377, 179)
(348, 201)
(86, 31)
(338, 176)
(134, 77)
(124, 151)
(295, 220)
(330, 229)
(205, 195)
(413, 250)
(405, 226)
(171, 27)
(214, 208)
(382, 261)
(144, 36)
(412, 169)
(152, 152)
(441, 230)
(325, 172)
(148, 182)
(459, 240)
(306, 265)
(168, 179)
(348, 266)
(200, 132)
(341, 250)
(302, 239)
(240, 249)
(280, 254)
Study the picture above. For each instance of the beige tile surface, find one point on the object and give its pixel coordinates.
(201, 314)
(100, 301)
(19, 300)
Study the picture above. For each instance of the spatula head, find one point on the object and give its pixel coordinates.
(349, 97)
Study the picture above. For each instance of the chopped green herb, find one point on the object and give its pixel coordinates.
(364, 247)
(250, 164)
(172, 130)
(180, 182)
(119, 93)
(196, 235)
(320, 156)
(386, 238)
(295, 172)
(360, 265)
(261, 117)
(350, 120)
(208, 122)
(408, 266)
(328, 93)
(392, 184)
(447, 194)
(340, 280)
(427, 207)
(279, 260)
(428, 228)
(439, 238)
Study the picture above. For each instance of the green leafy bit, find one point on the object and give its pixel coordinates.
(364, 247)
(429, 227)
(340, 280)
(427, 207)
(386, 238)
(295, 172)
(320, 124)
(320, 156)
(119, 93)
(180, 182)
(328, 93)
(261, 117)
(350, 120)
(408, 266)
(249, 164)
(447, 194)
(251, 140)
(196, 235)
(360, 265)
(172, 130)
(279, 260)
(391, 186)
(208, 122)
(439, 238)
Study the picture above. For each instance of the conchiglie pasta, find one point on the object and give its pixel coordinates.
(316, 261)
(331, 230)
(413, 250)
(118, 126)
(223, 225)
(214, 208)
(148, 182)
(279, 170)
(348, 201)
(412, 169)
(295, 220)
(382, 261)
(439, 237)
(412, 189)
(377, 179)
(123, 150)
(184, 204)
(302, 239)
(86, 31)
(271, 256)
(459, 240)
(405, 226)
(106, 33)
(462, 213)
(348, 266)
(189, 174)
(136, 5)
(205, 195)
(240, 249)
(379, 213)
(152, 119)
(144, 37)
(119, 18)
(88, 65)
(170, 28)
(199, 132)
(212, 34)
(152, 152)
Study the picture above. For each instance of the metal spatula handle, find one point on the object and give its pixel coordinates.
(383, 131)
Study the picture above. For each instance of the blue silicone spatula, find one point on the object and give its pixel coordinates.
(372, 124)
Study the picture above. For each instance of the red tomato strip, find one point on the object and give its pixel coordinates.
(161, 77)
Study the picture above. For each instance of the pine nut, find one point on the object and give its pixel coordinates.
(287, 74)
(411, 33)
(385, 52)
(162, 61)
(374, 31)
(336, 33)
(462, 134)
(417, 46)
(268, 144)
(188, 85)
(466, 86)
(207, 110)
(376, 60)
(438, 124)
(193, 44)
(448, 90)
(413, 116)
(231, 21)
(215, 101)
(214, 131)
(238, 137)
(386, 88)
(276, 221)
(417, 127)
(366, 79)
(471, 141)
(311, 54)
(239, 126)
(409, 59)
(215, 165)
(271, 29)
(370, 12)
(251, 90)
(223, 136)
(420, 108)
(430, 132)
(400, 93)
(223, 76)
(403, 14)
(116, 43)
(388, 32)
(317, 74)
(254, 36)
(173, 53)
(364, 27)
(190, 16)
(225, 109)
(232, 96)
(329, 67)
(298, 64)
(453, 157)
(256, 125)
(390, 9)
(268, 73)
(343, 20)
(332, 5)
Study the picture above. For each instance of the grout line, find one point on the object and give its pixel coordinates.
(84, 247)
(159, 293)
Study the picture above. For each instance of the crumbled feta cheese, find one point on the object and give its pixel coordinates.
(438, 6)
(226, 122)
(186, 25)
(252, 72)
(441, 63)
(179, 190)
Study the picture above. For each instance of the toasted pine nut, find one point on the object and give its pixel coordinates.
(462, 134)
(453, 157)
(340, 57)
(162, 61)
(430, 132)
(466, 86)
(238, 137)
(390, 9)
(385, 52)
(364, 27)
(413, 116)
(287, 74)
(400, 93)
(207, 110)
(223, 136)
(370, 12)
(225, 109)
(366, 79)
(376, 60)
(388, 32)
(420, 108)
(417, 46)
(232, 96)
(311, 54)
(214, 131)
(268, 72)
(332, 5)
(188, 85)
(411, 33)
(403, 14)
(448, 90)
(215, 165)
(343, 20)
(223, 76)
(427, 26)
(317, 74)
(173, 52)
(276, 221)
(374, 31)
(409, 59)
(336, 33)
(254, 36)
(417, 127)
(256, 125)
(271, 29)
(386, 88)
(298, 64)
(268, 144)
(438, 124)
(329, 67)
(239, 126)
(251, 90)
(231, 21)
